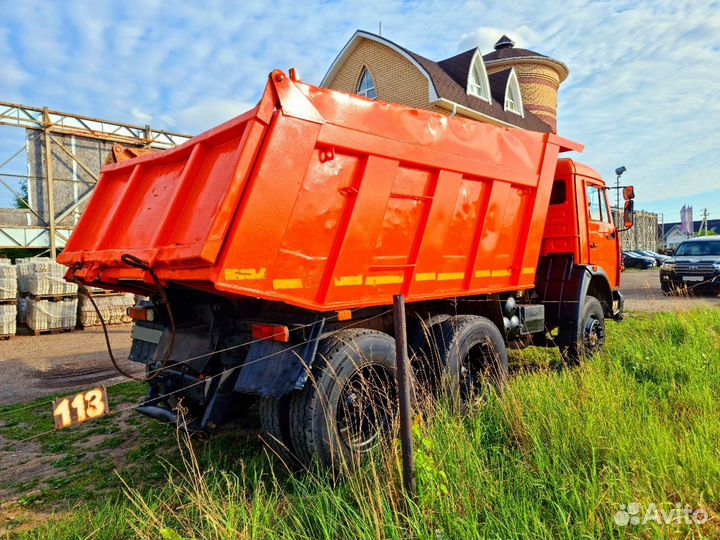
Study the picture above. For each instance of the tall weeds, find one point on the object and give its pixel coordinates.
(556, 455)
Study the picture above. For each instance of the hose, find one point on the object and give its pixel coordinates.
(83, 290)
(135, 262)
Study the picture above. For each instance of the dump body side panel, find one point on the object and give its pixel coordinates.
(325, 201)
(381, 199)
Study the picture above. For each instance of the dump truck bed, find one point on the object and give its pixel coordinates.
(326, 201)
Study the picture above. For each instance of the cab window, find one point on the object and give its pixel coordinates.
(607, 216)
(558, 195)
(593, 199)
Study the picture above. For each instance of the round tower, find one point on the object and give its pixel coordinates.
(539, 77)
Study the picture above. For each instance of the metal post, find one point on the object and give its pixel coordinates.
(403, 382)
(50, 185)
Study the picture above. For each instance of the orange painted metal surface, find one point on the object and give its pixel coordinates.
(570, 229)
(327, 201)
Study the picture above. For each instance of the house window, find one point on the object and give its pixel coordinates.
(366, 87)
(513, 98)
(478, 84)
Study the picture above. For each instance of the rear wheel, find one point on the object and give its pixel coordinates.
(421, 356)
(275, 424)
(468, 356)
(590, 337)
(348, 402)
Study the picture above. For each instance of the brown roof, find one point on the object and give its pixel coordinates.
(449, 77)
(511, 52)
(498, 84)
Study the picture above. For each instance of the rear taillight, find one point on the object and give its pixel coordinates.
(274, 332)
(141, 314)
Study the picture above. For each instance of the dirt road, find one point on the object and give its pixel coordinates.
(641, 290)
(57, 364)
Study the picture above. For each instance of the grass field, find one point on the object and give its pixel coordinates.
(556, 456)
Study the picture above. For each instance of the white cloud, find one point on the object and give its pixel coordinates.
(140, 116)
(641, 90)
(209, 113)
(485, 37)
(11, 74)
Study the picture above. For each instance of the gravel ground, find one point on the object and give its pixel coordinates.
(641, 289)
(58, 364)
(53, 365)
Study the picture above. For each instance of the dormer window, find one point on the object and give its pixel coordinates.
(366, 86)
(478, 84)
(513, 98)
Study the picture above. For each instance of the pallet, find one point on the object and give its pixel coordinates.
(27, 331)
(53, 297)
(103, 294)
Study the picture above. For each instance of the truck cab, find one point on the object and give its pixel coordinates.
(580, 231)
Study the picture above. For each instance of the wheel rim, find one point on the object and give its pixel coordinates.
(594, 334)
(364, 409)
(476, 369)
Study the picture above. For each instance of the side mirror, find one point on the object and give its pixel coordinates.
(629, 213)
(628, 193)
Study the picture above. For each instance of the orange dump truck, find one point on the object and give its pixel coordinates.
(271, 247)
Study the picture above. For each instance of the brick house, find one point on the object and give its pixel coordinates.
(510, 86)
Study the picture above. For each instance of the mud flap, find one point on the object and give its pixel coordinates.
(562, 286)
(275, 369)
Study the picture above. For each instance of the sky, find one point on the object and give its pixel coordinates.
(642, 91)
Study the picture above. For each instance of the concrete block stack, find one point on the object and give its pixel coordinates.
(50, 284)
(52, 314)
(8, 317)
(8, 281)
(8, 299)
(48, 301)
(112, 306)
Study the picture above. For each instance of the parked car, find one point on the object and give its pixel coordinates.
(659, 258)
(695, 265)
(635, 260)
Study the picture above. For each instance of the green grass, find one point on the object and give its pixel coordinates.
(554, 456)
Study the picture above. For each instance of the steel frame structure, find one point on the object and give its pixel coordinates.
(48, 123)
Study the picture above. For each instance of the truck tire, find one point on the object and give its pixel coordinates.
(467, 352)
(275, 424)
(419, 333)
(348, 400)
(420, 329)
(590, 337)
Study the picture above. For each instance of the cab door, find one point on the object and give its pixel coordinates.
(602, 234)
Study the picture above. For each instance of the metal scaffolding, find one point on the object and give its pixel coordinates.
(41, 222)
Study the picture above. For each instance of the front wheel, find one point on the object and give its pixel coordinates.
(590, 337)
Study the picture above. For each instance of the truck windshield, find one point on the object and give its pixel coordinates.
(709, 247)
